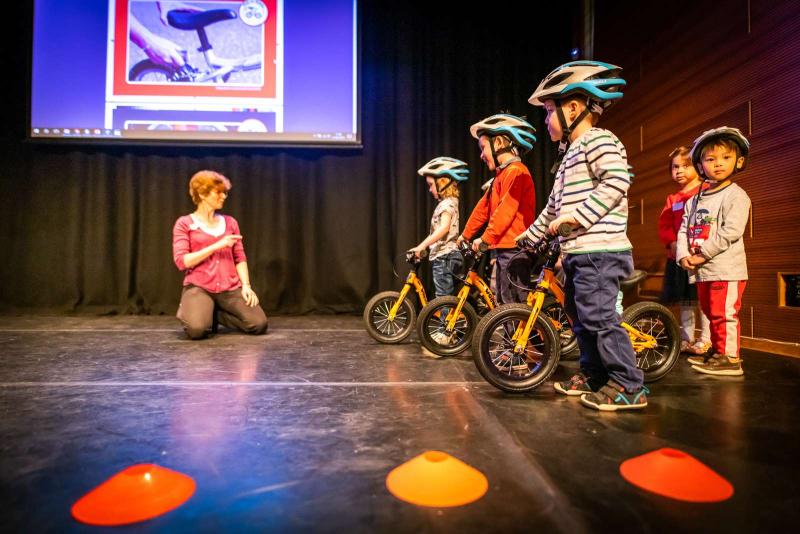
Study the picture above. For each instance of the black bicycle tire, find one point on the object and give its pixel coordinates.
(480, 349)
(373, 331)
(653, 309)
(425, 316)
(149, 65)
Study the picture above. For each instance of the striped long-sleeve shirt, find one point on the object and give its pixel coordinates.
(591, 185)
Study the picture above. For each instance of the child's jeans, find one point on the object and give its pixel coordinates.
(591, 296)
(721, 301)
(511, 264)
(443, 268)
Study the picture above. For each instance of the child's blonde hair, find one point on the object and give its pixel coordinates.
(447, 188)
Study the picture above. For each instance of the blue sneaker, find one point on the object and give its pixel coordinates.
(613, 397)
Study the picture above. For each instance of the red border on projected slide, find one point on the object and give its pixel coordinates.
(121, 43)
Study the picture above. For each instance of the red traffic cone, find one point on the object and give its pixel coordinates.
(677, 475)
(134, 494)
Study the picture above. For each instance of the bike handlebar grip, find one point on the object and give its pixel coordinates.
(564, 230)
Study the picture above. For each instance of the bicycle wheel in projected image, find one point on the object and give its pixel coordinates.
(147, 71)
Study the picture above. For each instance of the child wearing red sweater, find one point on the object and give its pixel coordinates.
(677, 289)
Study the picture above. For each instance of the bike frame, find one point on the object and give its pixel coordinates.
(222, 66)
(549, 282)
(472, 281)
(412, 280)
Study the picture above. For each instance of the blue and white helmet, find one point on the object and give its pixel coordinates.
(444, 167)
(714, 135)
(599, 82)
(518, 130)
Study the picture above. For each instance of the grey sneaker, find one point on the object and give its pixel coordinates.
(702, 358)
(721, 365)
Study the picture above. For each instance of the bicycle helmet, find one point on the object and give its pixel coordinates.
(516, 129)
(598, 82)
(709, 137)
(444, 167)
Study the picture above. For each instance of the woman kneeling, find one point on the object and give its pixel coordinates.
(208, 247)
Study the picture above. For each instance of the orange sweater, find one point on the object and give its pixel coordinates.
(509, 207)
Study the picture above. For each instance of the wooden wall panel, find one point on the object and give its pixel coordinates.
(697, 65)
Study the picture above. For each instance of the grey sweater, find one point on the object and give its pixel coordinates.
(717, 230)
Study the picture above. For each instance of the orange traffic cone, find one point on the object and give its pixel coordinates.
(134, 494)
(677, 475)
(436, 479)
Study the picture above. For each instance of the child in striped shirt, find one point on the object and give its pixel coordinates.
(590, 194)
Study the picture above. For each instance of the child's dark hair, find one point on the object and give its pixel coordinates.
(730, 144)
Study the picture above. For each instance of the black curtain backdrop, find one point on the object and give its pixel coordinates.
(88, 228)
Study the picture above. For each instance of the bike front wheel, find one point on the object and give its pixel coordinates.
(553, 309)
(378, 324)
(433, 331)
(656, 320)
(493, 349)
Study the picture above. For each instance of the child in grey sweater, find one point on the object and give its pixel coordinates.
(711, 246)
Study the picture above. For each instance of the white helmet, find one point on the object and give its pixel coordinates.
(716, 134)
(518, 130)
(444, 167)
(597, 81)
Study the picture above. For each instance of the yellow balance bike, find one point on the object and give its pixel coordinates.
(516, 348)
(389, 316)
(446, 324)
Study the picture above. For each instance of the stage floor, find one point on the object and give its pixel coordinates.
(297, 430)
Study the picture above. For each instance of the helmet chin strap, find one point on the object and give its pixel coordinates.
(440, 190)
(566, 129)
(497, 152)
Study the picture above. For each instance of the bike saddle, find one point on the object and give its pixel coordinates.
(187, 20)
(633, 280)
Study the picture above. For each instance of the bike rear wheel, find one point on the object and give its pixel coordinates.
(149, 71)
(376, 317)
(493, 349)
(432, 326)
(656, 320)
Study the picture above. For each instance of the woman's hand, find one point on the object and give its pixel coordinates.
(249, 296)
(228, 241)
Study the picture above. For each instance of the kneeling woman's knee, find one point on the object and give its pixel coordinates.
(258, 326)
(197, 331)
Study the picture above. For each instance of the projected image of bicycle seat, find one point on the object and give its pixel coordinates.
(201, 48)
(200, 43)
